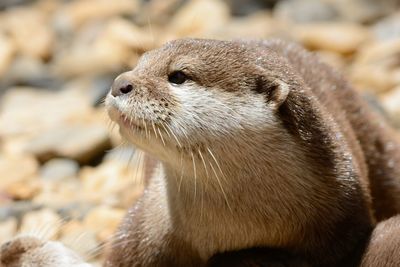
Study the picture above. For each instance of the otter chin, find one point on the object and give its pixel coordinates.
(260, 146)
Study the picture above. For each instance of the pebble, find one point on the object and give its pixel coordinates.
(339, 37)
(376, 68)
(19, 176)
(83, 143)
(7, 51)
(390, 101)
(104, 221)
(8, 229)
(43, 223)
(59, 169)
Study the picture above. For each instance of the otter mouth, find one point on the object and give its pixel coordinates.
(129, 123)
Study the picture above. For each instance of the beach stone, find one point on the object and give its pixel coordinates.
(339, 37)
(376, 68)
(43, 223)
(19, 176)
(35, 41)
(79, 238)
(306, 11)
(114, 47)
(113, 183)
(59, 169)
(104, 221)
(189, 20)
(76, 13)
(7, 52)
(391, 103)
(27, 111)
(8, 229)
(17, 209)
(388, 28)
(82, 143)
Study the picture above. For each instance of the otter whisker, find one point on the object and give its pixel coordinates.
(162, 139)
(195, 174)
(176, 138)
(216, 162)
(220, 185)
(202, 187)
(154, 129)
(180, 181)
(145, 128)
(165, 129)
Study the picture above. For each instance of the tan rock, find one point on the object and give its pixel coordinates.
(7, 51)
(35, 40)
(8, 230)
(82, 143)
(43, 223)
(78, 12)
(79, 238)
(28, 111)
(340, 37)
(113, 48)
(104, 220)
(376, 68)
(113, 182)
(199, 18)
(391, 103)
(19, 176)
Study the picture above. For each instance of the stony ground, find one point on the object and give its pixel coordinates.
(65, 173)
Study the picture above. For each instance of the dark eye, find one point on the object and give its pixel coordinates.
(177, 77)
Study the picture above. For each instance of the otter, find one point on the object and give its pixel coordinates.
(261, 146)
(264, 152)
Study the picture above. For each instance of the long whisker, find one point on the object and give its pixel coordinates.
(195, 174)
(220, 185)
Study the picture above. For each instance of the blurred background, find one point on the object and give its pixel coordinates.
(65, 174)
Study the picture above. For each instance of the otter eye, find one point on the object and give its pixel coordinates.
(177, 77)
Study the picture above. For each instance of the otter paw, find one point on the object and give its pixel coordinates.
(29, 251)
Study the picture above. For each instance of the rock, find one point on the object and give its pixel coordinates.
(7, 51)
(27, 111)
(44, 223)
(246, 8)
(59, 169)
(391, 103)
(31, 72)
(257, 25)
(343, 38)
(113, 48)
(82, 143)
(79, 12)
(376, 68)
(306, 11)
(19, 176)
(104, 221)
(189, 20)
(387, 28)
(123, 154)
(34, 41)
(8, 229)
(364, 11)
(79, 238)
(113, 182)
(17, 209)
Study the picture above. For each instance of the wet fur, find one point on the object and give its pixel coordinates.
(306, 166)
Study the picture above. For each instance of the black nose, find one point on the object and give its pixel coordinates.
(121, 87)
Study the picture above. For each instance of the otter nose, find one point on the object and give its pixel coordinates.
(121, 87)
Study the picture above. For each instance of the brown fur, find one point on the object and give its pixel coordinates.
(384, 246)
(334, 171)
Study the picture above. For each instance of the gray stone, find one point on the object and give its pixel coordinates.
(59, 169)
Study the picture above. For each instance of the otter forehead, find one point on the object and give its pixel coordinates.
(204, 61)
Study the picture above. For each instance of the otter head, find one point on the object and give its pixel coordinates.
(192, 95)
(33, 252)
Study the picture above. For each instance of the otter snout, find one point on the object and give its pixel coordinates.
(121, 86)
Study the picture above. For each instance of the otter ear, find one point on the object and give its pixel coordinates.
(276, 91)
